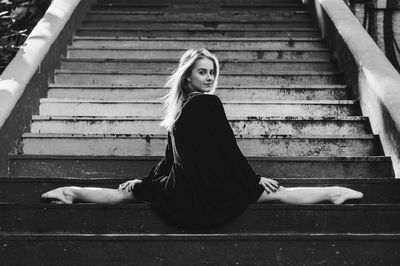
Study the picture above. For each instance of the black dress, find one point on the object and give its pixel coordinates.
(204, 180)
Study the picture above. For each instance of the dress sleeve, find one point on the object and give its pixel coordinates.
(226, 140)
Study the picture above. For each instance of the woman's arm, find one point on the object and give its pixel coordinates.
(230, 151)
(165, 164)
(225, 137)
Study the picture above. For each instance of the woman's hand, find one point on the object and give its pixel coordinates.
(129, 185)
(269, 185)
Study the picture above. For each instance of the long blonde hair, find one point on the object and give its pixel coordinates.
(177, 84)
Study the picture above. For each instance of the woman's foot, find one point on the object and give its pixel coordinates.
(341, 194)
(59, 195)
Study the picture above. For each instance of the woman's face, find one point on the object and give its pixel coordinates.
(202, 76)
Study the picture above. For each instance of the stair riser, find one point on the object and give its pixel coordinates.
(200, 9)
(163, 45)
(238, 68)
(232, 110)
(269, 250)
(198, 2)
(141, 219)
(221, 55)
(239, 127)
(153, 34)
(237, 94)
(199, 25)
(211, 16)
(118, 79)
(156, 146)
(127, 168)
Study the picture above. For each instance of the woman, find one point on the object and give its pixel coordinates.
(204, 180)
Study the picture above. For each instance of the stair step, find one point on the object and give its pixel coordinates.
(266, 93)
(180, 44)
(164, 65)
(201, 9)
(128, 166)
(198, 2)
(176, 6)
(161, 249)
(150, 78)
(376, 191)
(154, 145)
(253, 126)
(276, 32)
(216, 24)
(71, 107)
(238, 15)
(190, 17)
(139, 218)
(278, 54)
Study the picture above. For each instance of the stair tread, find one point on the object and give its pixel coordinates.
(289, 86)
(320, 102)
(152, 72)
(213, 236)
(266, 118)
(250, 158)
(196, 5)
(220, 20)
(100, 28)
(162, 60)
(210, 39)
(163, 136)
(119, 12)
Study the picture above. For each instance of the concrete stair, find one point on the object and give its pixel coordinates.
(243, 93)
(351, 167)
(293, 116)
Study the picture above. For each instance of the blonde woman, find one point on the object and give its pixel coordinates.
(204, 180)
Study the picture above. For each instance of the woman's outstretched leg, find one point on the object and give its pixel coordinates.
(69, 195)
(310, 195)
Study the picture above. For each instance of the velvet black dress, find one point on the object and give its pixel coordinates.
(204, 180)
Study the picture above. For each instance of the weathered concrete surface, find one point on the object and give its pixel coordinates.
(70, 107)
(245, 54)
(154, 145)
(25, 79)
(231, 249)
(228, 25)
(149, 78)
(283, 32)
(367, 69)
(251, 93)
(229, 66)
(180, 44)
(349, 167)
(240, 126)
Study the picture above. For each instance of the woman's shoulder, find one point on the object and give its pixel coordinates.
(202, 98)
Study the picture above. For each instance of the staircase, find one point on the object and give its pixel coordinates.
(287, 102)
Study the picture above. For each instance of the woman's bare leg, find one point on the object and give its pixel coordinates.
(310, 195)
(89, 194)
